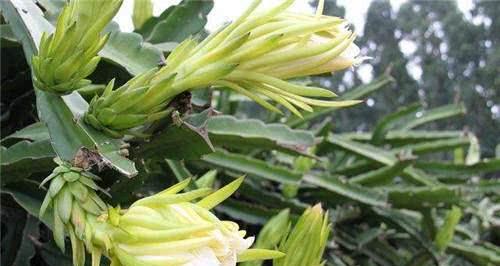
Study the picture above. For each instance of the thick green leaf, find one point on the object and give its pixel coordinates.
(181, 140)
(424, 197)
(435, 146)
(378, 155)
(179, 169)
(389, 121)
(479, 255)
(228, 131)
(128, 49)
(362, 149)
(34, 132)
(484, 166)
(30, 197)
(370, 243)
(419, 177)
(67, 137)
(383, 175)
(351, 191)
(357, 167)
(403, 137)
(410, 225)
(178, 22)
(352, 94)
(253, 167)
(7, 37)
(435, 114)
(37, 155)
(181, 172)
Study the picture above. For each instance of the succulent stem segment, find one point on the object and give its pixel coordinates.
(168, 228)
(253, 56)
(67, 56)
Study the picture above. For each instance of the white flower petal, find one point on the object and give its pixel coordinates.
(204, 257)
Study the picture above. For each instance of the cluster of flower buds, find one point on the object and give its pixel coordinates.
(253, 56)
(164, 229)
(136, 103)
(74, 203)
(306, 242)
(66, 57)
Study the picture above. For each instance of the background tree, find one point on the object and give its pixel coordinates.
(456, 54)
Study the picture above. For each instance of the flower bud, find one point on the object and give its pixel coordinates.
(306, 242)
(73, 200)
(67, 56)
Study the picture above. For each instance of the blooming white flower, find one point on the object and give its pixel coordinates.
(181, 233)
(169, 229)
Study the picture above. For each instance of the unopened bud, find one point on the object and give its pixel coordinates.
(67, 56)
(306, 242)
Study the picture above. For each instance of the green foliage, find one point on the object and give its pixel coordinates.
(414, 189)
(176, 23)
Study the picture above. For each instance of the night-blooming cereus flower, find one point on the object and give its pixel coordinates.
(253, 56)
(67, 56)
(169, 229)
(306, 242)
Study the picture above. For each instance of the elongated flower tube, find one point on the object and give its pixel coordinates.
(67, 56)
(74, 203)
(306, 242)
(252, 56)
